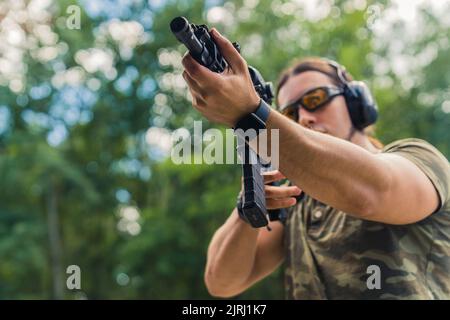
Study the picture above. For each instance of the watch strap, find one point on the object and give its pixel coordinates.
(255, 120)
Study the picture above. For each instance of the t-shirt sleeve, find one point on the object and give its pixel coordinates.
(430, 160)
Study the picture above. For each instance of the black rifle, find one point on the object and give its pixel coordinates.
(204, 50)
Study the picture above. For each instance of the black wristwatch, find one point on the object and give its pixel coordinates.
(255, 120)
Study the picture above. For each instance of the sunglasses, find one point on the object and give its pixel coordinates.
(311, 100)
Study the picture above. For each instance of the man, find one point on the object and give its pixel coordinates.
(374, 222)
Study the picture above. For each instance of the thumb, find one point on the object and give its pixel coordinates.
(229, 52)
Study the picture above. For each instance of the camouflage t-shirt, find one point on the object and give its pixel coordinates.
(332, 255)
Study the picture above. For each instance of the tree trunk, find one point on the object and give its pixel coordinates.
(55, 243)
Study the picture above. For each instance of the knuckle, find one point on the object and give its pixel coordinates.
(201, 103)
(194, 101)
(205, 94)
(242, 63)
(268, 190)
(227, 43)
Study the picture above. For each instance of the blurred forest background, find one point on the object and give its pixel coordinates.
(86, 117)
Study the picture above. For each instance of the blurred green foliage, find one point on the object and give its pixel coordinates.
(77, 158)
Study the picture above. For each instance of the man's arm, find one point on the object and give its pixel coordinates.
(379, 187)
(239, 256)
(385, 188)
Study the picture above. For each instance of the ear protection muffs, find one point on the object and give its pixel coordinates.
(361, 106)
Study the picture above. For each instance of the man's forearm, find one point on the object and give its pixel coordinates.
(331, 170)
(231, 255)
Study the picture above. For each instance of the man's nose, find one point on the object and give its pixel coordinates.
(306, 118)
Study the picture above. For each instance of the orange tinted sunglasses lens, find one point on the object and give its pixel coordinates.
(291, 112)
(314, 98)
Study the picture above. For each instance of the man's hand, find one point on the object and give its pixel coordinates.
(225, 97)
(278, 197)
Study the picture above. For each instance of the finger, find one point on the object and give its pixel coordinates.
(202, 75)
(280, 203)
(229, 52)
(272, 176)
(281, 192)
(193, 85)
(197, 101)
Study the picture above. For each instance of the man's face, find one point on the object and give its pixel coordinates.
(331, 119)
